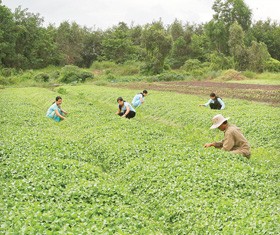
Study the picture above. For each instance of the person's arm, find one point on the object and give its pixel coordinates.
(222, 103)
(207, 145)
(142, 100)
(63, 111)
(118, 111)
(127, 111)
(214, 144)
(228, 142)
(58, 114)
(206, 104)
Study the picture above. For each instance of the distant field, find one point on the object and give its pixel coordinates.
(258, 81)
(265, 93)
(97, 173)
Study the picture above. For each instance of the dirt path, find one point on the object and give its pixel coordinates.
(262, 93)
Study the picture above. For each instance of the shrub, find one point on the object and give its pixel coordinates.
(42, 77)
(272, 65)
(7, 72)
(62, 91)
(191, 65)
(166, 77)
(220, 61)
(73, 74)
(103, 65)
(249, 74)
(4, 81)
(54, 75)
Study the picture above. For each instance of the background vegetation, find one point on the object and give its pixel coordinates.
(229, 41)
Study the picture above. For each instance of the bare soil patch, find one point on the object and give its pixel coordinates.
(254, 92)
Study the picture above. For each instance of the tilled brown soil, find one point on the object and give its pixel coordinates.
(261, 93)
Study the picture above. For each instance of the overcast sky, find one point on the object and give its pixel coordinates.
(103, 14)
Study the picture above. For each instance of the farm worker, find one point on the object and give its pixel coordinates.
(233, 141)
(215, 102)
(139, 99)
(125, 109)
(55, 111)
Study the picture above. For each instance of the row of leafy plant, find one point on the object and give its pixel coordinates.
(96, 173)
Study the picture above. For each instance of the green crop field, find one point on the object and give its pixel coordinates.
(97, 173)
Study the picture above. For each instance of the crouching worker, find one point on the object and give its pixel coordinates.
(233, 141)
(139, 99)
(55, 111)
(214, 102)
(125, 109)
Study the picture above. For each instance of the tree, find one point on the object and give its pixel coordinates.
(176, 30)
(7, 37)
(237, 47)
(258, 56)
(91, 47)
(226, 13)
(69, 39)
(117, 44)
(181, 49)
(217, 34)
(157, 43)
(230, 11)
(267, 32)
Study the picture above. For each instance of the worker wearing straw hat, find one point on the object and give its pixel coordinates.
(234, 141)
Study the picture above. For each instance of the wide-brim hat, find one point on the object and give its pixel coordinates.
(218, 120)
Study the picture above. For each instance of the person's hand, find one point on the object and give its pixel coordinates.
(124, 116)
(207, 145)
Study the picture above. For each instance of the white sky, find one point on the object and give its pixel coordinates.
(103, 14)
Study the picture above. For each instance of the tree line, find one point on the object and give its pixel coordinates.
(230, 40)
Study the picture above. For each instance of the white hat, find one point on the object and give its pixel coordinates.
(218, 120)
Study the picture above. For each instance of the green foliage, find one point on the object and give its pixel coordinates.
(258, 55)
(117, 44)
(27, 44)
(249, 74)
(166, 77)
(237, 46)
(272, 65)
(103, 65)
(220, 61)
(157, 43)
(7, 37)
(96, 173)
(192, 64)
(72, 74)
(267, 32)
(42, 77)
(8, 72)
(62, 91)
(230, 11)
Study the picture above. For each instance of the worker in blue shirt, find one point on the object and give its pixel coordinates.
(55, 111)
(139, 99)
(125, 109)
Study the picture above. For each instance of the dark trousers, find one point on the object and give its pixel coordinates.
(215, 105)
(131, 114)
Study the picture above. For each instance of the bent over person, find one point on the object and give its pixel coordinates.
(234, 141)
(55, 111)
(139, 99)
(125, 109)
(214, 102)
